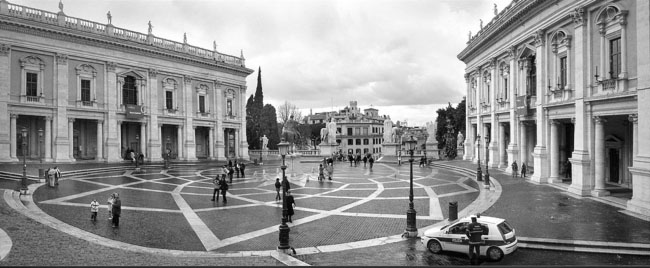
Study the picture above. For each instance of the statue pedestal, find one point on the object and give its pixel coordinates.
(327, 150)
(433, 152)
(390, 149)
(460, 151)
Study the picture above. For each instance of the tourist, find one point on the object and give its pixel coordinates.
(514, 169)
(94, 208)
(224, 188)
(111, 198)
(371, 159)
(242, 167)
(57, 175)
(399, 159)
(351, 159)
(117, 210)
(217, 186)
(357, 160)
(524, 169)
(321, 176)
(291, 203)
(230, 172)
(278, 185)
(365, 160)
(132, 156)
(237, 168)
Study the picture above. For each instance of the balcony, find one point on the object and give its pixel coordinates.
(230, 117)
(86, 104)
(32, 99)
(609, 84)
(172, 112)
(203, 114)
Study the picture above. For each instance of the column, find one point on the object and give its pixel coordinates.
(71, 139)
(477, 142)
(523, 152)
(12, 137)
(512, 150)
(603, 45)
(634, 119)
(599, 157)
(623, 22)
(63, 138)
(179, 143)
(113, 101)
(467, 142)
(555, 153)
(502, 146)
(48, 139)
(211, 143)
(100, 140)
(5, 84)
(119, 139)
(143, 140)
(540, 157)
(242, 141)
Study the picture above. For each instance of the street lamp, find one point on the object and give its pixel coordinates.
(40, 144)
(137, 154)
(283, 147)
(411, 229)
(23, 180)
(261, 144)
(479, 176)
(487, 159)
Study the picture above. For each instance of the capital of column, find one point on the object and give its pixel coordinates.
(153, 72)
(599, 119)
(110, 66)
(61, 58)
(466, 77)
(573, 120)
(70, 120)
(511, 52)
(4, 49)
(13, 116)
(634, 118)
(119, 122)
(100, 121)
(539, 38)
(578, 16)
(554, 122)
(48, 118)
(622, 17)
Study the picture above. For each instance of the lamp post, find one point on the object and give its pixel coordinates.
(487, 159)
(479, 176)
(40, 144)
(283, 147)
(411, 229)
(23, 180)
(137, 154)
(261, 144)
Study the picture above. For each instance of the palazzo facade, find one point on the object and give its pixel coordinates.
(86, 90)
(563, 86)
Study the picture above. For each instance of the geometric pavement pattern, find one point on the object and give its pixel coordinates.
(171, 209)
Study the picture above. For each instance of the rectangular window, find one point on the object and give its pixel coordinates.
(169, 100)
(614, 57)
(85, 90)
(349, 131)
(32, 84)
(350, 142)
(229, 107)
(202, 104)
(358, 141)
(505, 87)
(563, 72)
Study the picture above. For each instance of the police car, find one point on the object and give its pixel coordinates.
(498, 238)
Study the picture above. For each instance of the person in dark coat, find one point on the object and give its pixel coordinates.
(524, 169)
(230, 172)
(278, 185)
(242, 167)
(224, 188)
(217, 187)
(116, 210)
(237, 168)
(291, 203)
(371, 160)
(514, 169)
(365, 160)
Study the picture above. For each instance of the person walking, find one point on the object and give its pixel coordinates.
(357, 160)
(371, 159)
(111, 198)
(399, 159)
(117, 210)
(351, 159)
(242, 167)
(237, 168)
(224, 189)
(321, 176)
(217, 187)
(365, 160)
(524, 169)
(291, 203)
(514, 169)
(474, 232)
(230, 173)
(94, 208)
(57, 175)
(278, 185)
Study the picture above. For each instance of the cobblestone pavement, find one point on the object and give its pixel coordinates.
(359, 204)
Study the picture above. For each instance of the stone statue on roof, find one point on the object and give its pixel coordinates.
(495, 10)
(185, 38)
(109, 17)
(60, 6)
(481, 24)
(150, 27)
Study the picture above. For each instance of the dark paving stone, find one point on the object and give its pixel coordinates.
(396, 184)
(197, 190)
(403, 192)
(174, 181)
(114, 180)
(264, 197)
(133, 198)
(151, 176)
(451, 188)
(352, 193)
(310, 190)
(65, 188)
(203, 201)
(136, 227)
(102, 174)
(392, 206)
(362, 186)
(153, 186)
(245, 191)
(433, 182)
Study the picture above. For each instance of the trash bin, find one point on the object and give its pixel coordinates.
(453, 211)
(42, 175)
(51, 180)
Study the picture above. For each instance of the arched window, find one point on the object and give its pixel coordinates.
(531, 77)
(130, 91)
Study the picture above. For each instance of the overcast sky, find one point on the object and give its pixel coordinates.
(397, 55)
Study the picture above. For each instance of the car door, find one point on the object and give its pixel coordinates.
(457, 238)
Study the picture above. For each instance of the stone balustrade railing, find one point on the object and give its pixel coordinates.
(60, 19)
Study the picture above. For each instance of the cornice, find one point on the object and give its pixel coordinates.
(80, 37)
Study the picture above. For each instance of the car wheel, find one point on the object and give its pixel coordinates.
(494, 254)
(434, 246)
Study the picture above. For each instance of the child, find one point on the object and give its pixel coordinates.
(110, 206)
(94, 207)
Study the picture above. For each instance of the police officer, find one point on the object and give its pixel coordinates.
(474, 232)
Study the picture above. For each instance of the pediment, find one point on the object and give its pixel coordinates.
(134, 73)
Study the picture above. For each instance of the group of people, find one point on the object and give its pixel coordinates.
(220, 187)
(368, 158)
(231, 168)
(130, 154)
(291, 203)
(52, 176)
(114, 209)
(515, 169)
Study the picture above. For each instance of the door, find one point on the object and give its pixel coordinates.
(613, 166)
(457, 238)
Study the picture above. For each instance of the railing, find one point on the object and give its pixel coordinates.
(88, 26)
(171, 112)
(203, 114)
(33, 99)
(609, 84)
(230, 117)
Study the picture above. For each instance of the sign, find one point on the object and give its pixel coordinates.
(522, 105)
(134, 111)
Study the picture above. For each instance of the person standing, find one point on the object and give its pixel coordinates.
(365, 160)
(224, 189)
(117, 210)
(321, 175)
(57, 175)
(524, 169)
(111, 198)
(230, 172)
(351, 159)
(94, 208)
(399, 158)
(217, 186)
(514, 169)
(291, 203)
(242, 167)
(278, 185)
(474, 232)
(237, 168)
(371, 160)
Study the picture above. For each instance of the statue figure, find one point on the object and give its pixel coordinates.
(495, 10)
(388, 127)
(60, 6)
(432, 128)
(290, 131)
(470, 35)
(150, 27)
(109, 17)
(397, 133)
(214, 46)
(481, 24)
(265, 143)
(460, 139)
(324, 134)
(331, 131)
(185, 38)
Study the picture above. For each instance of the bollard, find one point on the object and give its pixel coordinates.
(453, 211)
(41, 175)
(487, 181)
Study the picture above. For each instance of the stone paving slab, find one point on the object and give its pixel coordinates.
(65, 188)
(154, 186)
(397, 207)
(131, 198)
(351, 193)
(204, 200)
(402, 192)
(325, 203)
(118, 180)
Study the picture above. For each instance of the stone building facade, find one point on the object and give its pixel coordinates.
(562, 86)
(86, 90)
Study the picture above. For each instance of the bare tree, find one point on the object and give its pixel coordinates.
(286, 110)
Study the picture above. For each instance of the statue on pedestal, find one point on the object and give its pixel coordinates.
(331, 132)
(388, 130)
(432, 127)
(290, 131)
(460, 139)
(265, 143)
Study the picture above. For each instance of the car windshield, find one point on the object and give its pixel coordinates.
(504, 227)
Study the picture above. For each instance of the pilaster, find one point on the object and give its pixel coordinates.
(153, 135)
(540, 156)
(113, 128)
(5, 79)
(63, 137)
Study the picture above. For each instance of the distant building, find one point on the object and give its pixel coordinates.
(357, 132)
(563, 86)
(88, 90)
